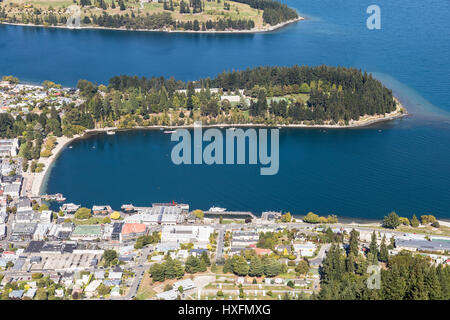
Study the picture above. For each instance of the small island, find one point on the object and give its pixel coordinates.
(151, 15)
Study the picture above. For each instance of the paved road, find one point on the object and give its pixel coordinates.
(219, 253)
(142, 266)
(321, 255)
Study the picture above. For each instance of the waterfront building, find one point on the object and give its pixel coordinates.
(243, 215)
(9, 147)
(271, 215)
(103, 210)
(70, 208)
(159, 214)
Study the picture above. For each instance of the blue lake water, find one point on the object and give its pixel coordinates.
(356, 173)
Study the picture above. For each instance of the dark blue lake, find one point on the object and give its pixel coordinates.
(356, 172)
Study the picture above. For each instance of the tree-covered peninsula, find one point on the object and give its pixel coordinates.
(276, 96)
(166, 15)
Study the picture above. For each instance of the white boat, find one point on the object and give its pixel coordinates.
(110, 132)
(170, 131)
(217, 209)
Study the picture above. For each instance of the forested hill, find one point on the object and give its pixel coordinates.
(312, 93)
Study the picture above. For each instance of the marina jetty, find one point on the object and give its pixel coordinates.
(229, 215)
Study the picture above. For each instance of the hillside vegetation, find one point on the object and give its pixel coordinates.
(168, 15)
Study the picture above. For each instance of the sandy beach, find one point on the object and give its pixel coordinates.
(35, 180)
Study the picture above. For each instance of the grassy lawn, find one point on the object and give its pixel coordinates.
(443, 230)
(212, 10)
(145, 290)
(93, 220)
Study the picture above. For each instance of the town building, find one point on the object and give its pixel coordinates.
(23, 231)
(103, 210)
(305, 249)
(186, 234)
(9, 147)
(132, 231)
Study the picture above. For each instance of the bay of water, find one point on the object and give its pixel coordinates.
(356, 172)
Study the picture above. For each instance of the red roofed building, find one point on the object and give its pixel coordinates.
(131, 231)
(260, 251)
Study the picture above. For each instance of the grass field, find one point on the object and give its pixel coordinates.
(145, 291)
(212, 10)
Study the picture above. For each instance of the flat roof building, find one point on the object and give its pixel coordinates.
(131, 231)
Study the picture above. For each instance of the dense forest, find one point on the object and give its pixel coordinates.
(129, 18)
(334, 93)
(403, 276)
(274, 12)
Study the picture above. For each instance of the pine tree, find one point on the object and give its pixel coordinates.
(256, 267)
(353, 242)
(414, 221)
(373, 247)
(384, 254)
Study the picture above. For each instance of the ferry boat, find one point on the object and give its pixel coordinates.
(217, 209)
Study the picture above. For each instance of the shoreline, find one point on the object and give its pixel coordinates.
(37, 179)
(166, 30)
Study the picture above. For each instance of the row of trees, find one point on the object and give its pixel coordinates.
(142, 241)
(406, 277)
(218, 25)
(314, 218)
(265, 266)
(392, 221)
